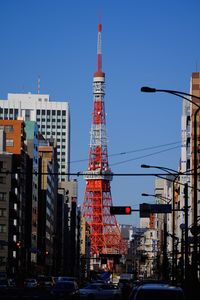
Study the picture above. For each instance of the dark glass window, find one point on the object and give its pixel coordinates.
(48, 112)
(53, 112)
(43, 112)
(38, 112)
(63, 112)
(16, 113)
(58, 112)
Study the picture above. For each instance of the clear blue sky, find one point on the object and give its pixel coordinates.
(145, 42)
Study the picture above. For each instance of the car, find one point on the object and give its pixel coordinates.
(100, 291)
(3, 283)
(156, 291)
(45, 282)
(66, 289)
(30, 283)
(67, 278)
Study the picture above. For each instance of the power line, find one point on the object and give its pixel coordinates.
(143, 156)
(131, 151)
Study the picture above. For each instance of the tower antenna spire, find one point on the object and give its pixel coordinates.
(38, 85)
(99, 46)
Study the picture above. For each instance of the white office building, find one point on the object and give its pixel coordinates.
(52, 117)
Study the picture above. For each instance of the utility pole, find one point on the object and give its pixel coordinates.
(186, 232)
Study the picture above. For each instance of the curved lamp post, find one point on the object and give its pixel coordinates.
(195, 196)
(165, 199)
(165, 257)
(175, 174)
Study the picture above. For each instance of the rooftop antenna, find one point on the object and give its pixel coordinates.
(38, 85)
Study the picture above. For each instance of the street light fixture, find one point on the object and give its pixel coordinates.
(165, 199)
(175, 174)
(185, 96)
(165, 257)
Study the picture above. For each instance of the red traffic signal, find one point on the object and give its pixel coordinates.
(18, 244)
(120, 210)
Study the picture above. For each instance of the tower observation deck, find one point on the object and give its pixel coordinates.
(105, 235)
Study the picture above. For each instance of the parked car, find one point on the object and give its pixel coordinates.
(156, 291)
(30, 283)
(66, 289)
(45, 282)
(67, 278)
(3, 283)
(100, 291)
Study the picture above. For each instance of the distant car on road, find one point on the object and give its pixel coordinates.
(30, 283)
(45, 282)
(66, 289)
(100, 291)
(3, 283)
(156, 291)
(66, 278)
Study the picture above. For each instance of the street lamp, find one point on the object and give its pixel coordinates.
(184, 95)
(165, 199)
(165, 257)
(175, 174)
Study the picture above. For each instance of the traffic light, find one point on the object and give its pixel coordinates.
(120, 210)
(18, 244)
(46, 252)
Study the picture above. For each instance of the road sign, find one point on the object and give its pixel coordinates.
(146, 209)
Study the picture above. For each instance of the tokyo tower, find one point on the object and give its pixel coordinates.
(105, 235)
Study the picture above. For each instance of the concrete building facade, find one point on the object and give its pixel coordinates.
(52, 117)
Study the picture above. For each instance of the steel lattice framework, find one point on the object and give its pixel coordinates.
(105, 234)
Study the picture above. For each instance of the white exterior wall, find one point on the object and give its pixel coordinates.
(27, 105)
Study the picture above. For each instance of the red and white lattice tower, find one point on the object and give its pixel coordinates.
(105, 235)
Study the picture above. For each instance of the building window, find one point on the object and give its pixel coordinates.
(2, 179)
(15, 113)
(9, 143)
(2, 196)
(63, 112)
(27, 114)
(43, 112)
(58, 112)
(53, 112)
(2, 212)
(48, 112)
(2, 228)
(8, 128)
(38, 112)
